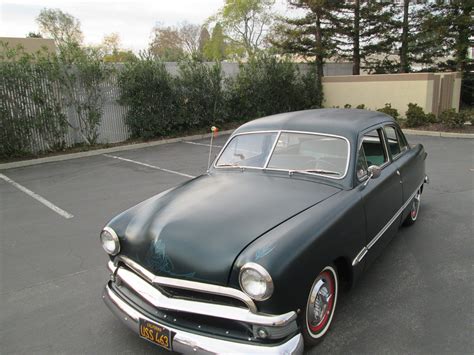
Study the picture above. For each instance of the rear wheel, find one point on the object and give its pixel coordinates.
(414, 210)
(320, 306)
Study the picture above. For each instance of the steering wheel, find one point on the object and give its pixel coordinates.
(326, 165)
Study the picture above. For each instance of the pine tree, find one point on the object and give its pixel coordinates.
(204, 38)
(310, 36)
(451, 25)
(365, 33)
(215, 47)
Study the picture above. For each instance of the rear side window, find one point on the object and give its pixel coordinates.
(395, 144)
(402, 140)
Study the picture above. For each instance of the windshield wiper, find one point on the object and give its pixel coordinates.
(314, 171)
(229, 165)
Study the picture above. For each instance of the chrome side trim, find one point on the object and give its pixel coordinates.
(265, 167)
(360, 256)
(365, 249)
(186, 284)
(159, 300)
(186, 342)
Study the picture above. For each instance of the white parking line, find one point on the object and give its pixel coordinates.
(37, 197)
(203, 144)
(149, 166)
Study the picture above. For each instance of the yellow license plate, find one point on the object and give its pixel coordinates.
(155, 333)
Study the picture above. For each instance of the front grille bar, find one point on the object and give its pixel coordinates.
(159, 300)
(185, 284)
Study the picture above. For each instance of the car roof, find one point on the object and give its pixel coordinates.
(343, 122)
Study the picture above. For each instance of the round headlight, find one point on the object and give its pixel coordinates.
(256, 282)
(110, 241)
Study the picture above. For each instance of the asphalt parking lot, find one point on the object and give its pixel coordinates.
(417, 298)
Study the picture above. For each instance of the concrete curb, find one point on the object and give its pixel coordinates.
(90, 153)
(415, 132)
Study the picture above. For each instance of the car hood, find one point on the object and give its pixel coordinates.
(197, 230)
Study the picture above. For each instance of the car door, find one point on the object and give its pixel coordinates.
(382, 196)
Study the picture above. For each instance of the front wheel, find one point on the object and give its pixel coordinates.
(320, 306)
(414, 210)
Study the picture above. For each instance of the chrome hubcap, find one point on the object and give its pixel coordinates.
(320, 306)
(319, 303)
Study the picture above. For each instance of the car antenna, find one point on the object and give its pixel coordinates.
(214, 131)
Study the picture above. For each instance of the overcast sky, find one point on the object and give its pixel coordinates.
(132, 20)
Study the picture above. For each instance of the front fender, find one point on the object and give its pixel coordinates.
(296, 251)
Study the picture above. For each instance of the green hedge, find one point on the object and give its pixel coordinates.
(267, 86)
(150, 94)
(199, 96)
(36, 90)
(30, 103)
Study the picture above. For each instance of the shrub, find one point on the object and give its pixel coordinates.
(453, 119)
(83, 74)
(150, 94)
(201, 95)
(389, 110)
(30, 103)
(469, 115)
(309, 90)
(431, 118)
(415, 116)
(360, 107)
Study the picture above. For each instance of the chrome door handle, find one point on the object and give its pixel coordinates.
(398, 173)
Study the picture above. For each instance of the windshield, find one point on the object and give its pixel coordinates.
(293, 151)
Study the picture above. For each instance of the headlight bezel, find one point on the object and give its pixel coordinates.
(114, 238)
(264, 275)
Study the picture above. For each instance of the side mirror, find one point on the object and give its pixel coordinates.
(374, 172)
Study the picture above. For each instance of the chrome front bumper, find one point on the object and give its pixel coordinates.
(186, 342)
(148, 288)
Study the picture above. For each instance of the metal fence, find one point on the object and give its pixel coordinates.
(112, 128)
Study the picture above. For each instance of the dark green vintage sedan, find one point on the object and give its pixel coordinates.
(251, 256)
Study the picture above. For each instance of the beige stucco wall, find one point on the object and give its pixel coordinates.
(30, 45)
(457, 92)
(374, 91)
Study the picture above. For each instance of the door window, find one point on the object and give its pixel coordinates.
(372, 142)
(362, 168)
(393, 141)
(371, 152)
